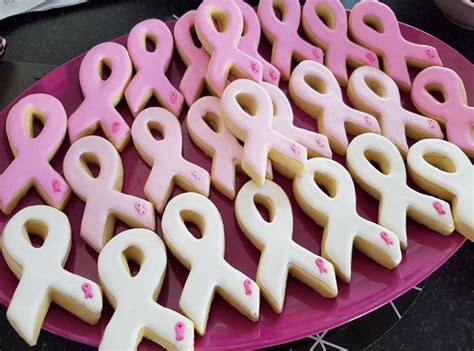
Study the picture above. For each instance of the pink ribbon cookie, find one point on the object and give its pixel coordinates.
(374, 92)
(151, 66)
(102, 95)
(247, 111)
(219, 25)
(387, 41)
(315, 143)
(331, 34)
(283, 33)
(250, 40)
(315, 90)
(32, 154)
(195, 57)
(453, 112)
(102, 194)
(217, 142)
(165, 157)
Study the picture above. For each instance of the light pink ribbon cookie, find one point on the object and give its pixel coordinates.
(387, 41)
(373, 91)
(325, 23)
(32, 154)
(247, 111)
(453, 112)
(195, 57)
(151, 66)
(102, 95)
(283, 34)
(315, 90)
(102, 194)
(219, 25)
(165, 157)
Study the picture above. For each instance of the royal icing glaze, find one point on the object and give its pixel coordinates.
(397, 199)
(315, 143)
(387, 41)
(40, 270)
(442, 169)
(102, 95)
(102, 194)
(283, 34)
(151, 66)
(255, 129)
(280, 254)
(137, 315)
(209, 272)
(219, 25)
(250, 40)
(343, 227)
(332, 36)
(196, 58)
(315, 90)
(453, 112)
(165, 157)
(32, 154)
(373, 91)
(220, 144)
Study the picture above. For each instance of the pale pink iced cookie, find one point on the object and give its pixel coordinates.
(453, 112)
(195, 57)
(41, 272)
(165, 157)
(442, 169)
(219, 25)
(151, 66)
(280, 254)
(283, 34)
(102, 95)
(372, 91)
(315, 90)
(325, 24)
(336, 212)
(32, 154)
(386, 40)
(103, 194)
(247, 111)
(389, 185)
(315, 143)
(250, 40)
(217, 142)
(209, 272)
(137, 315)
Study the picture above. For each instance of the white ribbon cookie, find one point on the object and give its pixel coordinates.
(280, 254)
(204, 257)
(336, 212)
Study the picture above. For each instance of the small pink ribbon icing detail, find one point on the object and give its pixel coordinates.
(439, 208)
(115, 127)
(386, 238)
(140, 208)
(56, 185)
(87, 289)
(248, 287)
(179, 329)
(320, 263)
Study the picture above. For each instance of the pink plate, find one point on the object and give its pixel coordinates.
(305, 312)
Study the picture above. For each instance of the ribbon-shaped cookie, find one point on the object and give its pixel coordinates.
(102, 95)
(374, 92)
(151, 66)
(442, 169)
(247, 111)
(137, 314)
(40, 270)
(165, 157)
(32, 154)
(325, 23)
(209, 272)
(336, 212)
(315, 90)
(453, 112)
(280, 254)
(396, 199)
(102, 194)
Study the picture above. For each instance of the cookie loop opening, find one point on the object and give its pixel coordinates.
(326, 183)
(194, 223)
(105, 69)
(35, 232)
(133, 259)
(248, 103)
(374, 23)
(91, 164)
(156, 130)
(316, 83)
(265, 207)
(326, 15)
(150, 42)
